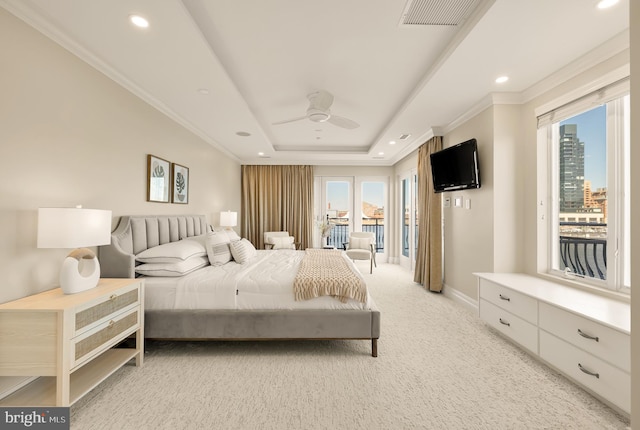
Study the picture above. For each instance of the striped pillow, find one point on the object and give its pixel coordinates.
(218, 251)
(242, 250)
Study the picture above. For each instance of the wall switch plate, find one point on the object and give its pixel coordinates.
(467, 203)
(447, 202)
(457, 202)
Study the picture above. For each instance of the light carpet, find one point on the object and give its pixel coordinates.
(439, 367)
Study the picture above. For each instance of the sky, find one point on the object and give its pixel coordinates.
(338, 194)
(592, 131)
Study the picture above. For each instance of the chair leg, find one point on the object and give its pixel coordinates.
(371, 265)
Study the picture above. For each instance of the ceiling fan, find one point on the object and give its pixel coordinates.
(318, 111)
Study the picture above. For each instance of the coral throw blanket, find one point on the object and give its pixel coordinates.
(326, 272)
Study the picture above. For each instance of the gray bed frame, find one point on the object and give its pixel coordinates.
(134, 234)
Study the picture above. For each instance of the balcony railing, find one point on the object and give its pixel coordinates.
(339, 234)
(586, 256)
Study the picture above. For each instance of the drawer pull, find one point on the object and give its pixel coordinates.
(588, 372)
(503, 322)
(588, 336)
(111, 323)
(113, 297)
(504, 297)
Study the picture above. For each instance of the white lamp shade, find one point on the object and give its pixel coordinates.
(228, 219)
(73, 227)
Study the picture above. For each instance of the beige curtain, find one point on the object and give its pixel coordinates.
(277, 198)
(429, 256)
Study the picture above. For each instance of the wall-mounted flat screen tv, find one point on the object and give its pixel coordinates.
(456, 167)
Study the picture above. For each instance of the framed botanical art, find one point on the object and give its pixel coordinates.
(158, 179)
(180, 183)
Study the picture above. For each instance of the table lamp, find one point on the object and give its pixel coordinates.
(228, 219)
(75, 228)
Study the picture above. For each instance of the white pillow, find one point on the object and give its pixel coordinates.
(280, 242)
(218, 248)
(232, 235)
(360, 242)
(242, 250)
(172, 252)
(172, 269)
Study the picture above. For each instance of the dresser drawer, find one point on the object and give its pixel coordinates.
(603, 342)
(517, 303)
(103, 309)
(521, 331)
(107, 334)
(611, 383)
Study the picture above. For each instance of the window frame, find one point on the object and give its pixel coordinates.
(617, 119)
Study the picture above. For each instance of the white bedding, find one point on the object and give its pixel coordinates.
(264, 282)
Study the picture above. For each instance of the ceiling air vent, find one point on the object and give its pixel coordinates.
(436, 12)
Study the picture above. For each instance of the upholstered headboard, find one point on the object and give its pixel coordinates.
(136, 233)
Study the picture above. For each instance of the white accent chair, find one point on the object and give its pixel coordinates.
(362, 246)
(279, 240)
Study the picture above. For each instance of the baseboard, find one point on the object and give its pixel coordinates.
(470, 304)
(11, 384)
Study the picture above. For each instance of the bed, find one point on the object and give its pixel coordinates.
(231, 301)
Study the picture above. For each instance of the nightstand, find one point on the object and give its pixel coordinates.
(69, 341)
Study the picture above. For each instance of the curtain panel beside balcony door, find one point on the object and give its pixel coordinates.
(428, 271)
(277, 198)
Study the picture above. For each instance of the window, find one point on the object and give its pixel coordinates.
(588, 175)
(372, 199)
(338, 209)
(353, 203)
(409, 218)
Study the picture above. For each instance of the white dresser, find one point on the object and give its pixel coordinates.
(584, 335)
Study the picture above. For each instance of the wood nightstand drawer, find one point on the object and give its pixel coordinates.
(105, 308)
(104, 336)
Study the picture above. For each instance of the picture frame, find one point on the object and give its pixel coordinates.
(158, 179)
(179, 184)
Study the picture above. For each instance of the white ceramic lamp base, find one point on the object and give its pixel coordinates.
(80, 271)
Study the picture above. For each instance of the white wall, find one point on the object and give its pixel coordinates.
(635, 212)
(68, 136)
(468, 233)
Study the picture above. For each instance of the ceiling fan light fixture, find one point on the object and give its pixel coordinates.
(316, 115)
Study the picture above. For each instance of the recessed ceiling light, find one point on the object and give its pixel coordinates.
(380, 153)
(243, 133)
(139, 21)
(393, 142)
(502, 79)
(604, 4)
(203, 91)
(261, 153)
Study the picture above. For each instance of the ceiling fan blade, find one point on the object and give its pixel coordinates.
(289, 120)
(343, 122)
